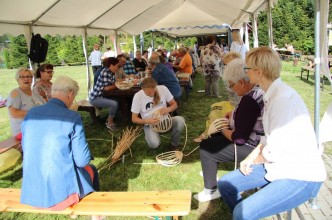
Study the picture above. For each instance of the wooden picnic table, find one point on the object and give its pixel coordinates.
(125, 98)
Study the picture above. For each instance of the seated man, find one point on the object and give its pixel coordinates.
(164, 76)
(139, 63)
(120, 74)
(129, 67)
(185, 67)
(146, 102)
(56, 169)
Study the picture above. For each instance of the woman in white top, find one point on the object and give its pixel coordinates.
(286, 165)
(146, 102)
(237, 44)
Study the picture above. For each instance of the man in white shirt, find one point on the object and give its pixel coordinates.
(108, 53)
(95, 58)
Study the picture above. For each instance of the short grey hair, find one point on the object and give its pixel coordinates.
(22, 70)
(234, 71)
(154, 59)
(65, 84)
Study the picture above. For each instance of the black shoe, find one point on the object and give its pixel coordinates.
(174, 148)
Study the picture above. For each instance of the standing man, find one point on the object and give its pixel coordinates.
(108, 53)
(211, 62)
(95, 58)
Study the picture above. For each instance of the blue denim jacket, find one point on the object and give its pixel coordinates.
(55, 154)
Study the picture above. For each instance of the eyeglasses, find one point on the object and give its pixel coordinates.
(246, 69)
(49, 71)
(25, 77)
(231, 85)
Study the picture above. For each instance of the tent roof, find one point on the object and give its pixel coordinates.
(176, 17)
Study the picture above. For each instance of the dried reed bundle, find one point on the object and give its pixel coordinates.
(128, 137)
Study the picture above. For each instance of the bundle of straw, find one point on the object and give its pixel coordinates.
(128, 137)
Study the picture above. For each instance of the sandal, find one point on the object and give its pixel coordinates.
(111, 127)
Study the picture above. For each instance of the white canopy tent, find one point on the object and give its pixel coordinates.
(107, 17)
(131, 16)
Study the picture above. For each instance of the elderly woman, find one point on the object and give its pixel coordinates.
(22, 99)
(286, 164)
(43, 84)
(106, 82)
(240, 138)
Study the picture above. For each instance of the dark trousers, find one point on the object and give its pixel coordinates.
(218, 149)
(94, 69)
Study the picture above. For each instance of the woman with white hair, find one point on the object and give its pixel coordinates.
(240, 137)
(286, 164)
(22, 99)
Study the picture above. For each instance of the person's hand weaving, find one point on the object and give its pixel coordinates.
(218, 125)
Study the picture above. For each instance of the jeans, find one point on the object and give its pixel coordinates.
(152, 137)
(275, 197)
(108, 103)
(217, 149)
(212, 85)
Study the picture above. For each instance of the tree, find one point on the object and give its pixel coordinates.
(17, 52)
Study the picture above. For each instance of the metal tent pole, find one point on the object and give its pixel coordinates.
(85, 51)
(269, 22)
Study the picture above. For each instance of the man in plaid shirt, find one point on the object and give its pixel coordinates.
(129, 67)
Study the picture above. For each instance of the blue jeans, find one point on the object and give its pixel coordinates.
(152, 137)
(275, 197)
(112, 105)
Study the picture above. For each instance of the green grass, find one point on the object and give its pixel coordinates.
(133, 174)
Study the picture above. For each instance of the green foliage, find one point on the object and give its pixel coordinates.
(6, 57)
(52, 54)
(293, 23)
(17, 52)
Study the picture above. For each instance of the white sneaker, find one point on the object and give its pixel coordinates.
(203, 197)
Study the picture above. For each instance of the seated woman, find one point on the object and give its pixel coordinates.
(286, 165)
(56, 169)
(22, 99)
(245, 130)
(146, 102)
(43, 83)
(106, 82)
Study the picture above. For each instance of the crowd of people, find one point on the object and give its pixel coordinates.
(260, 132)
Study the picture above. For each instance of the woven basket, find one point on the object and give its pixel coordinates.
(164, 124)
(124, 85)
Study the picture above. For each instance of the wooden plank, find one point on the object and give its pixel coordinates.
(143, 203)
(10, 143)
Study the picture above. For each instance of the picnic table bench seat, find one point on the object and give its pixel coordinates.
(143, 203)
(9, 143)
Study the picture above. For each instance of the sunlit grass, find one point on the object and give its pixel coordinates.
(138, 173)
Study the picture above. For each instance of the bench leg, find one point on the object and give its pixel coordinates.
(307, 75)
(301, 73)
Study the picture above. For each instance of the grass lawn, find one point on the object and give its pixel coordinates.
(135, 174)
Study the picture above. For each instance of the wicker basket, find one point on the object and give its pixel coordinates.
(164, 124)
(124, 85)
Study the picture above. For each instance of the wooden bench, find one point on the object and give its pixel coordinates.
(150, 203)
(185, 83)
(9, 143)
(84, 105)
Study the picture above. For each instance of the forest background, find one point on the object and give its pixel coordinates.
(292, 21)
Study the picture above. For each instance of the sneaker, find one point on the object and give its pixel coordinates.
(203, 197)
(112, 127)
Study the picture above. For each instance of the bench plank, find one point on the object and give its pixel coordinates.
(142, 203)
(9, 143)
